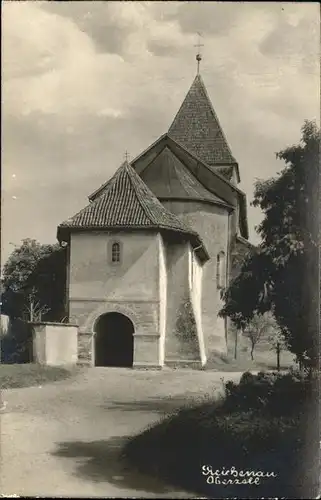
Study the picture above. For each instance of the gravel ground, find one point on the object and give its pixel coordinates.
(65, 438)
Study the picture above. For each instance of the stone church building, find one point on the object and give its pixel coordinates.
(149, 256)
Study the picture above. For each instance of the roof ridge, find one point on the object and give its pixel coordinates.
(132, 178)
(172, 124)
(104, 184)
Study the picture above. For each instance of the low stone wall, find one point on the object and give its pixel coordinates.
(55, 344)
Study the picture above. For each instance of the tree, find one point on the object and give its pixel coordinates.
(280, 275)
(278, 344)
(34, 310)
(34, 282)
(258, 328)
(47, 286)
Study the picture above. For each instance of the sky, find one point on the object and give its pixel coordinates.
(84, 82)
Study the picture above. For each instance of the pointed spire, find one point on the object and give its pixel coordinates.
(197, 128)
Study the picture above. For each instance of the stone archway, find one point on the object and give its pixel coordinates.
(114, 341)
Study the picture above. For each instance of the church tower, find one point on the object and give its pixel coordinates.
(197, 128)
(194, 174)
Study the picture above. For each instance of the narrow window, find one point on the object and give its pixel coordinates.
(220, 270)
(115, 252)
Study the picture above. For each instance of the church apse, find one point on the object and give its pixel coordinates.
(182, 343)
(212, 224)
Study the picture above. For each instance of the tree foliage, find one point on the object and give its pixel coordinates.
(282, 274)
(22, 262)
(33, 283)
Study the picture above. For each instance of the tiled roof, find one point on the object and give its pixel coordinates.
(127, 203)
(219, 184)
(196, 127)
(168, 177)
(226, 171)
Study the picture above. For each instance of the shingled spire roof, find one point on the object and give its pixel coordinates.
(127, 203)
(197, 127)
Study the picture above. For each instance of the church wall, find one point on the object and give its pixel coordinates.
(196, 273)
(67, 282)
(93, 276)
(234, 224)
(181, 342)
(212, 224)
(98, 286)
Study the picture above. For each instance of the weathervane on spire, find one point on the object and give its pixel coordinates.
(198, 55)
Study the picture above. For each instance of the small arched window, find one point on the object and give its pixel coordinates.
(115, 253)
(220, 270)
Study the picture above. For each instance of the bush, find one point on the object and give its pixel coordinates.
(260, 425)
(16, 343)
(273, 393)
(177, 448)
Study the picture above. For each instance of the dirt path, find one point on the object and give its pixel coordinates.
(65, 439)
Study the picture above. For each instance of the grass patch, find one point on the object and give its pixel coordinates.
(249, 437)
(264, 359)
(29, 375)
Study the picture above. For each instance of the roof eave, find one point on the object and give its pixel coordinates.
(200, 250)
(64, 232)
(238, 173)
(243, 215)
(244, 241)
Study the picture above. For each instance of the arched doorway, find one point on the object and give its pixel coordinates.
(114, 341)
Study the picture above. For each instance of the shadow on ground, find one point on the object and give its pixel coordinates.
(102, 461)
(157, 405)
